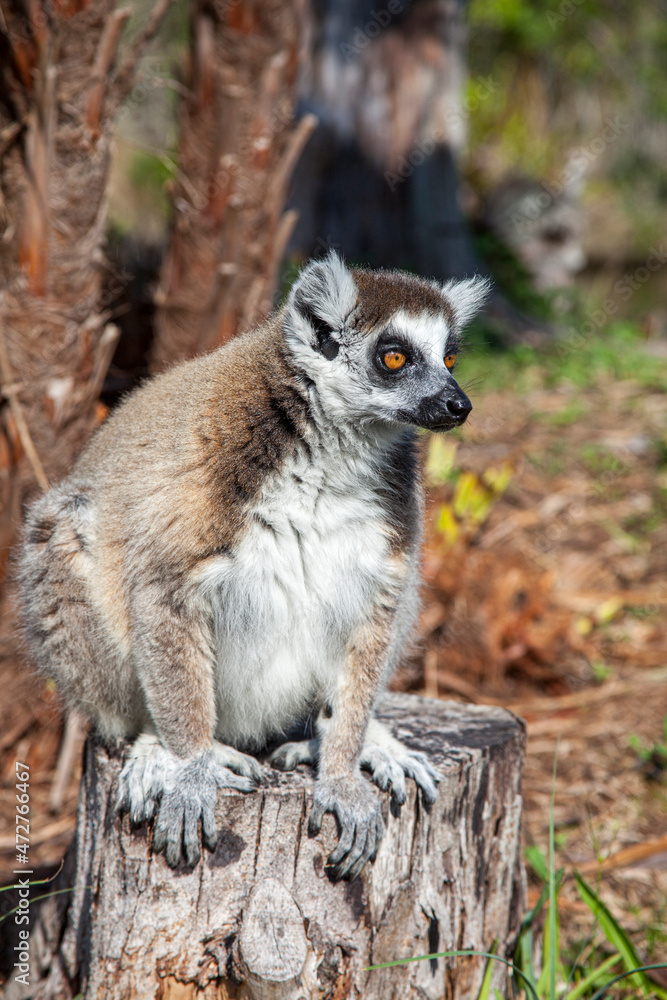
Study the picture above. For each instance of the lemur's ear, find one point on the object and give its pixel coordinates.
(467, 297)
(323, 296)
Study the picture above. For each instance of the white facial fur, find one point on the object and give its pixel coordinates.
(466, 297)
(348, 386)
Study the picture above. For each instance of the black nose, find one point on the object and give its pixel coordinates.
(459, 407)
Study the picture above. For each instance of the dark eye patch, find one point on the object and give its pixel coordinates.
(454, 344)
(389, 341)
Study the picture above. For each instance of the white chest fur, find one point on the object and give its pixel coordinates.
(286, 602)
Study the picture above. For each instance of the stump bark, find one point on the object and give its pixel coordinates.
(260, 919)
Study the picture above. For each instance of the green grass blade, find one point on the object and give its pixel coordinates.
(553, 912)
(537, 862)
(575, 965)
(615, 934)
(590, 979)
(551, 964)
(35, 881)
(546, 984)
(46, 895)
(530, 986)
(523, 953)
(533, 914)
(485, 988)
(640, 970)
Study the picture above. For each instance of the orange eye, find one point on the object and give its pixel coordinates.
(450, 360)
(394, 360)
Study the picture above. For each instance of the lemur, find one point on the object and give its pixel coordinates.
(238, 549)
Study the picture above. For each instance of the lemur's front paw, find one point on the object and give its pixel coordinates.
(389, 767)
(183, 792)
(360, 824)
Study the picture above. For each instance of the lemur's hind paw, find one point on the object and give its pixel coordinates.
(388, 771)
(182, 792)
(142, 779)
(240, 763)
(389, 761)
(289, 755)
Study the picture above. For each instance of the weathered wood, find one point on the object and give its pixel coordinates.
(259, 918)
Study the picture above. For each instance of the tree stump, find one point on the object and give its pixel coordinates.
(260, 919)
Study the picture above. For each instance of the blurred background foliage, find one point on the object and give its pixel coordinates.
(563, 71)
(569, 96)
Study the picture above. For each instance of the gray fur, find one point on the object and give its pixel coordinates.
(237, 550)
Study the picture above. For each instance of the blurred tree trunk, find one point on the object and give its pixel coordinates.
(237, 148)
(58, 95)
(387, 82)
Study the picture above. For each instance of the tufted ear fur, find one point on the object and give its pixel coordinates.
(323, 296)
(467, 297)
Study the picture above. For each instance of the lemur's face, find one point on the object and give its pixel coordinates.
(381, 347)
(410, 364)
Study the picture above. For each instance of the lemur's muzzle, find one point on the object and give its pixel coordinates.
(443, 411)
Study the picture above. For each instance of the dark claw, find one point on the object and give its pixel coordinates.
(208, 827)
(344, 845)
(173, 854)
(398, 795)
(159, 840)
(315, 821)
(359, 820)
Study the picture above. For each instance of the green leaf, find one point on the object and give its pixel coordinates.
(446, 524)
(485, 988)
(537, 862)
(523, 953)
(441, 459)
(614, 933)
(537, 909)
(585, 984)
(552, 968)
